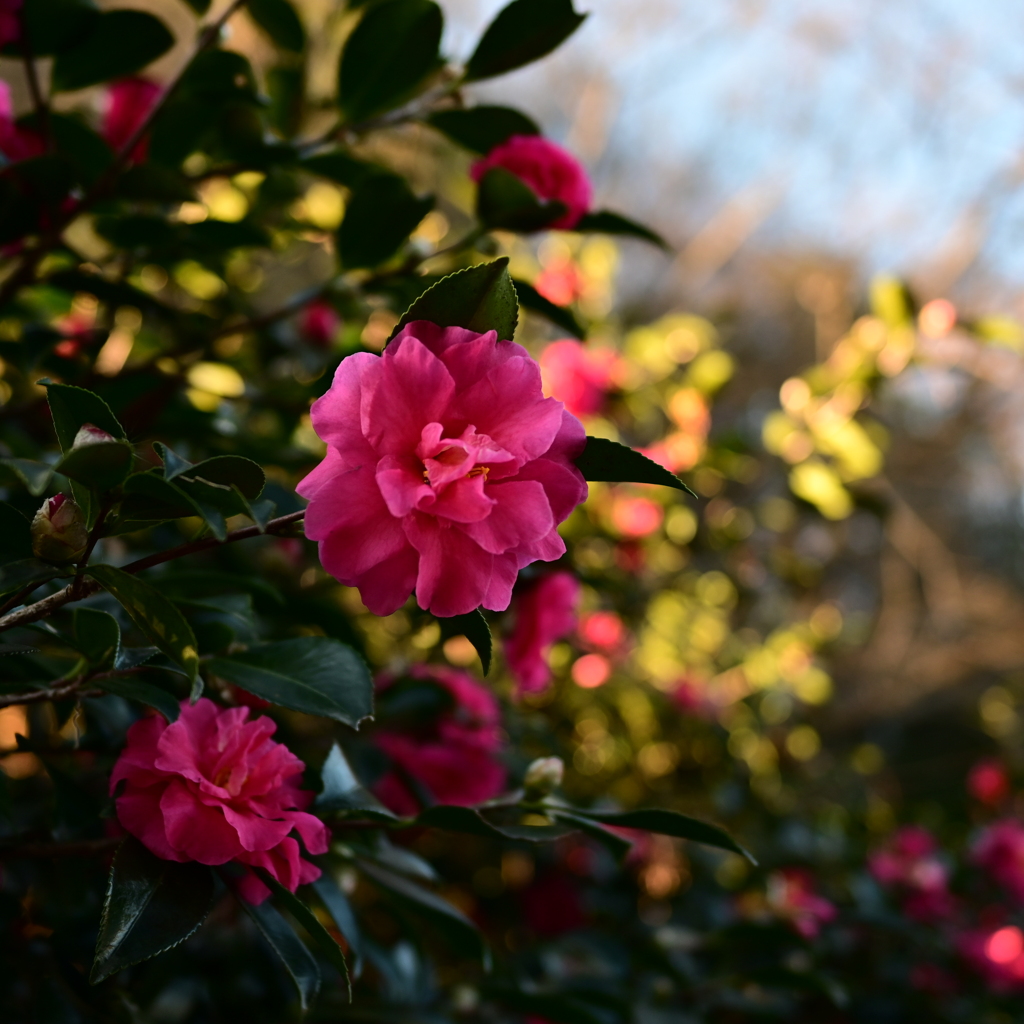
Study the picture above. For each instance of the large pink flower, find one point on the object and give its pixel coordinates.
(545, 612)
(213, 787)
(550, 171)
(454, 757)
(447, 471)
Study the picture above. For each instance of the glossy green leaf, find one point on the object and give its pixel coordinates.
(148, 496)
(340, 166)
(15, 535)
(55, 25)
(561, 317)
(280, 20)
(475, 822)
(504, 201)
(668, 823)
(73, 407)
(614, 843)
(612, 462)
(381, 214)
(473, 626)
(222, 470)
(97, 636)
(389, 53)
(118, 43)
(342, 792)
(480, 129)
(316, 931)
(344, 917)
(458, 929)
(313, 674)
(524, 31)
(34, 475)
(152, 905)
(100, 466)
(154, 614)
(608, 223)
(150, 694)
(298, 960)
(15, 575)
(480, 298)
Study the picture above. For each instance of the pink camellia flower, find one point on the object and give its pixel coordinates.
(997, 954)
(129, 101)
(319, 323)
(791, 896)
(988, 782)
(577, 376)
(546, 611)
(454, 757)
(548, 169)
(10, 23)
(909, 862)
(447, 471)
(213, 787)
(999, 850)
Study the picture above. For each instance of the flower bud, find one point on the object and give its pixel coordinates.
(88, 434)
(59, 533)
(543, 776)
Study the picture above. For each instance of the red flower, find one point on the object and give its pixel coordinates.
(988, 782)
(319, 323)
(129, 101)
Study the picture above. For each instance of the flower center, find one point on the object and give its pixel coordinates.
(447, 459)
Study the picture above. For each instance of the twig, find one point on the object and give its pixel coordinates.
(48, 605)
(31, 73)
(46, 851)
(38, 696)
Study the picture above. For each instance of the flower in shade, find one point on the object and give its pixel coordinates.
(579, 377)
(909, 862)
(447, 471)
(550, 171)
(129, 101)
(10, 23)
(996, 953)
(791, 896)
(59, 531)
(319, 323)
(545, 612)
(988, 782)
(999, 850)
(213, 787)
(453, 758)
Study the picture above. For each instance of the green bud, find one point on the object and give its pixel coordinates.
(543, 776)
(59, 533)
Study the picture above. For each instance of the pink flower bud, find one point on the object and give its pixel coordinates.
(543, 776)
(88, 434)
(58, 530)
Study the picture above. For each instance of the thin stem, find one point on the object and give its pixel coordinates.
(48, 605)
(32, 74)
(38, 696)
(46, 851)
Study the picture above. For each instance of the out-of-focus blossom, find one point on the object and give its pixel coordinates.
(455, 756)
(791, 897)
(543, 777)
(909, 862)
(16, 141)
(319, 323)
(937, 318)
(604, 631)
(551, 905)
(578, 376)
(545, 611)
(988, 782)
(999, 850)
(129, 101)
(213, 787)
(447, 471)
(560, 282)
(997, 954)
(690, 695)
(635, 517)
(591, 671)
(10, 22)
(550, 171)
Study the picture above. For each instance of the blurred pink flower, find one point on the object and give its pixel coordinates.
(908, 861)
(636, 517)
(129, 101)
(577, 376)
(997, 954)
(988, 782)
(591, 671)
(605, 631)
(319, 323)
(454, 757)
(10, 22)
(999, 850)
(548, 169)
(213, 787)
(560, 282)
(545, 612)
(447, 471)
(791, 896)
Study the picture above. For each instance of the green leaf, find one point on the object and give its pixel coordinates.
(340, 909)
(341, 791)
(381, 214)
(480, 129)
(340, 166)
(611, 462)
(480, 298)
(280, 21)
(199, 6)
(298, 960)
(152, 905)
(118, 43)
(317, 932)
(615, 844)
(523, 32)
(154, 614)
(145, 693)
(558, 315)
(389, 53)
(222, 470)
(80, 144)
(668, 823)
(97, 636)
(148, 496)
(15, 575)
(55, 25)
(504, 201)
(15, 535)
(473, 626)
(458, 929)
(312, 674)
(34, 475)
(286, 87)
(472, 821)
(608, 223)
(101, 466)
(73, 407)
